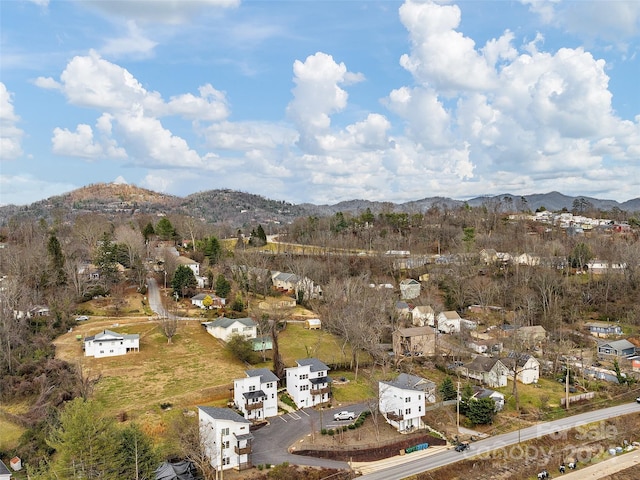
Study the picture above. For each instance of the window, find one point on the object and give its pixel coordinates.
(419, 408)
(407, 400)
(234, 330)
(226, 461)
(304, 376)
(225, 444)
(407, 411)
(224, 431)
(252, 388)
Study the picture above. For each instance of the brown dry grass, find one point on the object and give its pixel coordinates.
(194, 369)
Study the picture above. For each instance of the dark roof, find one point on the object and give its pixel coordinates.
(482, 364)
(319, 381)
(256, 394)
(265, 375)
(315, 364)
(520, 358)
(224, 414)
(406, 381)
(176, 471)
(3, 469)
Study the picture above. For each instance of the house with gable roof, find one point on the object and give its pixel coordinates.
(423, 315)
(226, 438)
(414, 341)
(256, 396)
(224, 328)
(110, 344)
(402, 401)
(308, 383)
(526, 367)
(5, 474)
(409, 288)
(617, 348)
(217, 302)
(490, 371)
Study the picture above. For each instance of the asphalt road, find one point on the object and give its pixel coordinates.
(271, 442)
(555, 428)
(155, 302)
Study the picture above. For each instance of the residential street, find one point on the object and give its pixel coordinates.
(412, 467)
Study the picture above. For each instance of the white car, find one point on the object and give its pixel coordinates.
(638, 399)
(82, 318)
(344, 415)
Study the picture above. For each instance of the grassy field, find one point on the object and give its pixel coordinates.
(9, 434)
(194, 368)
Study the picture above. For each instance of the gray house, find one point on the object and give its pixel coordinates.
(603, 329)
(617, 348)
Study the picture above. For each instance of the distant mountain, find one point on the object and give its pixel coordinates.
(240, 209)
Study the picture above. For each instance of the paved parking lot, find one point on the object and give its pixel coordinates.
(271, 442)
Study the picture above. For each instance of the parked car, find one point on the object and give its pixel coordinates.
(638, 399)
(344, 415)
(461, 447)
(82, 318)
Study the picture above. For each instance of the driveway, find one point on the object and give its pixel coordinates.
(271, 443)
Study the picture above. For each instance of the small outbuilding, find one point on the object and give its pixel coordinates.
(313, 324)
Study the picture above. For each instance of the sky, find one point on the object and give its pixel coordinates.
(321, 101)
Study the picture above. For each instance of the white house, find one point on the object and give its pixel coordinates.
(308, 383)
(527, 368)
(423, 315)
(409, 288)
(402, 401)
(256, 396)
(224, 328)
(192, 264)
(451, 322)
(110, 344)
(225, 437)
(497, 397)
(217, 302)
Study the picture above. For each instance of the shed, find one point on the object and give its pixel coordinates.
(313, 324)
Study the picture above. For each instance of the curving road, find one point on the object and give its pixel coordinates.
(555, 428)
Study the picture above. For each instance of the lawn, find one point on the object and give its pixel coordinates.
(297, 342)
(9, 434)
(194, 369)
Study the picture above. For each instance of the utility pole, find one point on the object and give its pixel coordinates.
(458, 409)
(566, 385)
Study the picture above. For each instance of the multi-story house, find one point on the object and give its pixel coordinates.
(110, 344)
(402, 401)
(256, 396)
(308, 384)
(225, 437)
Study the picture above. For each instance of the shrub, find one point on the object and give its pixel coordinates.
(323, 431)
(331, 432)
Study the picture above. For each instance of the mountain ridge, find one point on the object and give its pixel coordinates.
(242, 208)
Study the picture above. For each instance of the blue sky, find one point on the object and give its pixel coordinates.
(321, 101)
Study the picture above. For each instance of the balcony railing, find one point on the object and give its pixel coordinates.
(394, 416)
(243, 450)
(320, 391)
(244, 466)
(253, 406)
